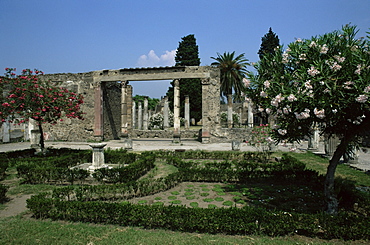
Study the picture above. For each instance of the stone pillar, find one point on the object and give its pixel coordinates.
(140, 116)
(187, 112)
(250, 115)
(145, 114)
(331, 145)
(314, 140)
(98, 113)
(210, 105)
(129, 107)
(133, 114)
(98, 155)
(34, 134)
(166, 123)
(176, 111)
(124, 109)
(229, 110)
(6, 132)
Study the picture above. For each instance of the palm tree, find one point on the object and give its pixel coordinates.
(233, 70)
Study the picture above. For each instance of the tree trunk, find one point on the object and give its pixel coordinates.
(329, 191)
(42, 143)
(229, 111)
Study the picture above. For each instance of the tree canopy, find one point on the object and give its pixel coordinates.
(188, 55)
(322, 81)
(270, 43)
(233, 70)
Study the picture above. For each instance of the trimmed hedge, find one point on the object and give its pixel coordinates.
(233, 221)
(94, 203)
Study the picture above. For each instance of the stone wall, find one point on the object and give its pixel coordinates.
(74, 129)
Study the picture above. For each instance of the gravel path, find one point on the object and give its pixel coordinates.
(15, 206)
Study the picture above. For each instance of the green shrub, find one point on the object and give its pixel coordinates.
(3, 190)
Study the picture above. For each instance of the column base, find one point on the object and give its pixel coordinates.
(176, 138)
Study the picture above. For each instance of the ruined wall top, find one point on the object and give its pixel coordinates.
(156, 73)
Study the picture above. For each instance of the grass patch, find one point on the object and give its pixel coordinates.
(142, 202)
(219, 199)
(208, 200)
(175, 202)
(172, 197)
(158, 203)
(204, 194)
(194, 204)
(205, 189)
(158, 198)
(188, 193)
(221, 193)
(227, 203)
(190, 197)
(175, 193)
(212, 206)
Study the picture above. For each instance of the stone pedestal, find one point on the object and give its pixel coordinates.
(98, 155)
(235, 145)
(35, 138)
(6, 132)
(126, 143)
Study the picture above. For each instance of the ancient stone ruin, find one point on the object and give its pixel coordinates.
(111, 114)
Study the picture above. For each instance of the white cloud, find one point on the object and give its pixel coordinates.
(153, 60)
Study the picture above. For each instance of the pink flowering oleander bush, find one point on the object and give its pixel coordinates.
(27, 97)
(323, 81)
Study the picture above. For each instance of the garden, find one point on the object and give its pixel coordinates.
(229, 193)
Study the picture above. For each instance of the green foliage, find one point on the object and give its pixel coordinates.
(94, 203)
(270, 44)
(188, 55)
(233, 70)
(128, 173)
(322, 80)
(152, 102)
(4, 164)
(3, 190)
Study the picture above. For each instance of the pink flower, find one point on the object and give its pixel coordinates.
(319, 113)
(362, 98)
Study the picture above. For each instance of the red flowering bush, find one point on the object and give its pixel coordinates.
(28, 97)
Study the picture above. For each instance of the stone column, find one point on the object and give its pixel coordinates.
(176, 111)
(129, 107)
(145, 115)
(124, 118)
(187, 112)
(140, 116)
(166, 123)
(250, 115)
(6, 132)
(98, 113)
(133, 114)
(331, 145)
(314, 140)
(229, 110)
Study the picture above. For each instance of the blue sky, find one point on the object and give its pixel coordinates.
(74, 36)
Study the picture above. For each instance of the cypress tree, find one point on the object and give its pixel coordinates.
(188, 55)
(270, 41)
